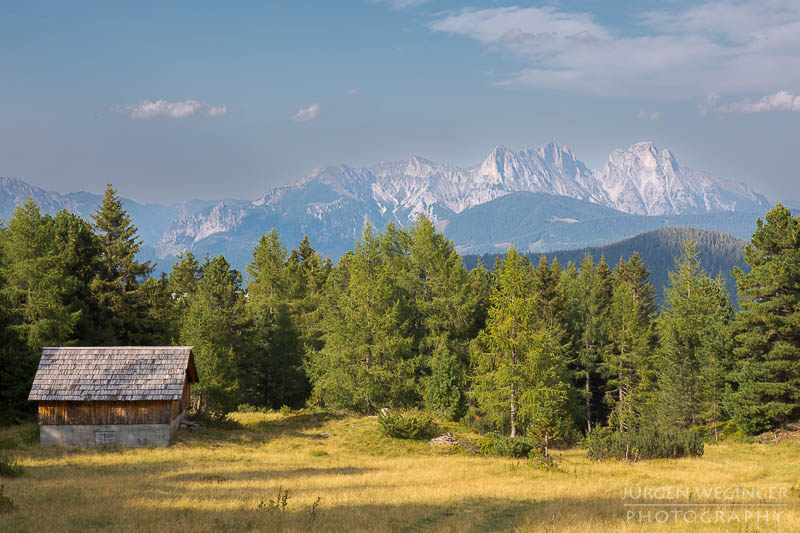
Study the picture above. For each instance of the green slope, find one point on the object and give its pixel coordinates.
(719, 253)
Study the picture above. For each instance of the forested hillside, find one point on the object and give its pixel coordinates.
(539, 349)
(719, 253)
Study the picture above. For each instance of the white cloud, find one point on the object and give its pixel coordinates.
(779, 101)
(352, 92)
(306, 113)
(165, 108)
(644, 114)
(726, 46)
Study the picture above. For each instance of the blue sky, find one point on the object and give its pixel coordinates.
(178, 100)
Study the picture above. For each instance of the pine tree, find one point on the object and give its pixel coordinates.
(692, 329)
(120, 273)
(767, 329)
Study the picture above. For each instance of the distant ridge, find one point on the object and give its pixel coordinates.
(719, 254)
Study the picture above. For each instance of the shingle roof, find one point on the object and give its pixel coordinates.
(113, 373)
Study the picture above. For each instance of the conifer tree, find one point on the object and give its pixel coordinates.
(120, 273)
(519, 361)
(306, 274)
(692, 332)
(35, 283)
(214, 320)
(272, 374)
(268, 279)
(367, 361)
(16, 362)
(767, 329)
(77, 248)
(183, 276)
(591, 304)
(628, 364)
(444, 315)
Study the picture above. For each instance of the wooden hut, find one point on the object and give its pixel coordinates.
(131, 395)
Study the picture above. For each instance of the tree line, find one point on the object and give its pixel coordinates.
(525, 349)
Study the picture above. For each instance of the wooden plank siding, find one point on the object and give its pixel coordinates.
(108, 412)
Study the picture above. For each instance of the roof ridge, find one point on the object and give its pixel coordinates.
(110, 347)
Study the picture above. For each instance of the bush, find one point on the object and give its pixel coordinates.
(647, 442)
(10, 467)
(407, 425)
(496, 444)
(6, 504)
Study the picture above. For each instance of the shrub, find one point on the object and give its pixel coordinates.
(496, 444)
(286, 410)
(648, 442)
(10, 467)
(407, 425)
(6, 504)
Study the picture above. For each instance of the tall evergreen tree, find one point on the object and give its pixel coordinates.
(444, 315)
(628, 364)
(519, 361)
(120, 272)
(692, 332)
(767, 329)
(35, 282)
(367, 361)
(591, 304)
(214, 320)
(16, 363)
(272, 374)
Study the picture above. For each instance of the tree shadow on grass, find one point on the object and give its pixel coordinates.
(473, 515)
(299, 425)
(263, 474)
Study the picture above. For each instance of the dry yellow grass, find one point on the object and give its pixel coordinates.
(214, 480)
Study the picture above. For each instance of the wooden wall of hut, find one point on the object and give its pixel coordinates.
(109, 412)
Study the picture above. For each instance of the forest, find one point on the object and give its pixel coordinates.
(540, 351)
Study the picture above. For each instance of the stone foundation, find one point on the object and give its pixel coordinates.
(96, 435)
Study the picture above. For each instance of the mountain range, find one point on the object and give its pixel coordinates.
(542, 200)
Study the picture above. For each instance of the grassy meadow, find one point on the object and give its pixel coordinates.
(216, 479)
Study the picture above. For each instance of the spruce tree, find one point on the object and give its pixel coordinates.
(213, 323)
(767, 329)
(692, 332)
(17, 365)
(591, 304)
(120, 273)
(272, 374)
(444, 317)
(628, 364)
(367, 361)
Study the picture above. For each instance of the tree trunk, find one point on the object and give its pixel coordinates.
(619, 390)
(588, 402)
(513, 412)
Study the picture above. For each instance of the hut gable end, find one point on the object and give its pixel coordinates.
(120, 373)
